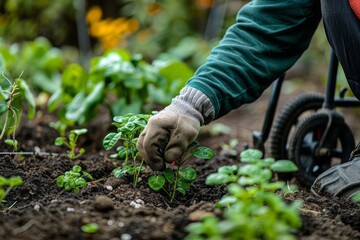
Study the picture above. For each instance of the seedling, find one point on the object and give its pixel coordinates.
(12, 142)
(12, 97)
(6, 184)
(74, 180)
(179, 179)
(71, 142)
(129, 127)
(230, 148)
(90, 228)
(251, 209)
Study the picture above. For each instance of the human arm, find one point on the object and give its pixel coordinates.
(267, 39)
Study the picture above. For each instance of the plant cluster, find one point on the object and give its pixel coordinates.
(135, 84)
(129, 127)
(74, 180)
(253, 208)
(6, 184)
(179, 179)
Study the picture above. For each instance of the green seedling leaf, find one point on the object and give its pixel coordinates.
(284, 166)
(217, 179)
(90, 228)
(188, 174)
(183, 184)
(59, 141)
(169, 175)
(60, 181)
(76, 169)
(251, 155)
(156, 182)
(228, 169)
(15, 181)
(88, 175)
(203, 153)
(181, 190)
(80, 131)
(111, 139)
(120, 172)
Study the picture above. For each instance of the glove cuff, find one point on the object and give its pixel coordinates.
(193, 104)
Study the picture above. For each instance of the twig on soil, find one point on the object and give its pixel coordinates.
(309, 211)
(25, 227)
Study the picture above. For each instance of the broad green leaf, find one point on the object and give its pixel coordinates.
(60, 181)
(59, 141)
(228, 169)
(15, 181)
(111, 139)
(217, 179)
(76, 169)
(183, 184)
(80, 131)
(188, 174)
(251, 155)
(284, 166)
(156, 182)
(169, 175)
(203, 152)
(120, 172)
(181, 190)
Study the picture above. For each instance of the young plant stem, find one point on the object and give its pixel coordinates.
(10, 109)
(173, 190)
(137, 172)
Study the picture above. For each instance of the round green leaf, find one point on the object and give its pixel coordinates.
(111, 139)
(169, 175)
(156, 182)
(60, 181)
(284, 166)
(217, 179)
(76, 169)
(203, 152)
(188, 174)
(80, 131)
(251, 155)
(15, 181)
(59, 141)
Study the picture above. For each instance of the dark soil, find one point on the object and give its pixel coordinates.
(40, 210)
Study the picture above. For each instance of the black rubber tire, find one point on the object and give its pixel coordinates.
(288, 119)
(305, 141)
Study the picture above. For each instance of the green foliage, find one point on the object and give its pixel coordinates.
(12, 142)
(74, 180)
(129, 127)
(179, 179)
(135, 84)
(71, 142)
(90, 228)
(37, 60)
(252, 209)
(14, 95)
(6, 184)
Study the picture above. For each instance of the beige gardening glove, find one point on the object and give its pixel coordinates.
(169, 133)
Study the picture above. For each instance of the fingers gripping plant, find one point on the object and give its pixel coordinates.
(129, 127)
(252, 209)
(179, 179)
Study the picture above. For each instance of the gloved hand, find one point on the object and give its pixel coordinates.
(169, 133)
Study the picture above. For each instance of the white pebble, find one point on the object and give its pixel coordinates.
(126, 236)
(121, 224)
(108, 187)
(37, 207)
(69, 209)
(110, 222)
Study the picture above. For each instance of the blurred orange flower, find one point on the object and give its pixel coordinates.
(94, 14)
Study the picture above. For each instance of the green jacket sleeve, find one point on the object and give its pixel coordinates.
(269, 36)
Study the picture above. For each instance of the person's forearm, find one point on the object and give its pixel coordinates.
(267, 39)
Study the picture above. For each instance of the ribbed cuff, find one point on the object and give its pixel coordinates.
(193, 104)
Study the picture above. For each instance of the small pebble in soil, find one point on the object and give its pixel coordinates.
(103, 203)
(70, 209)
(37, 207)
(126, 236)
(121, 224)
(138, 203)
(110, 222)
(110, 188)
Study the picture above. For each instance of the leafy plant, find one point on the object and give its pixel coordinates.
(230, 148)
(74, 180)
(13, 96)
(253, 208)
(122, 82)
(71, 142)
(6, 184)
(129, 127)
(179, 179)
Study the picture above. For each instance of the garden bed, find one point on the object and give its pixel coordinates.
(40, 210)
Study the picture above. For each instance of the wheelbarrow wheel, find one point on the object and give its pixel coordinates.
(313, 153)
(287, 121)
